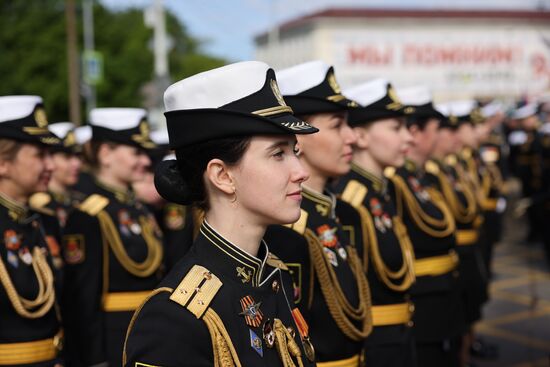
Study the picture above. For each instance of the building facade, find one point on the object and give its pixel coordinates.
(459, 54)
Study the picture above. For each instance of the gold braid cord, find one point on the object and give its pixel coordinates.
(462, 214)
(46, 291)
(443, 227)
(339, 307)
(225, 354)
(154, 247)
(388, 277)
(286, 345)
(470, 188)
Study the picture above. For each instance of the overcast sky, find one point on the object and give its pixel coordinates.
(228, 26)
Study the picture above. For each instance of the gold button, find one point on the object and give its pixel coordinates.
(275, 286)
(410, 324)
(456, 273)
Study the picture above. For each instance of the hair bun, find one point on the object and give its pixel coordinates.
(170, 184)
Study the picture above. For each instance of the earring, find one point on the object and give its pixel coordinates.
(234, 195)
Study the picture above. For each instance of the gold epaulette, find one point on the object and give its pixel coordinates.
(432, 167)
(197, 290)
(94, 204)
(38, 203)
(354, 193)
(275, 262)
(301, 224)
(39, 200)
(451, 160)
(389, 172)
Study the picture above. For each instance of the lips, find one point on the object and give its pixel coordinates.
(297, 195)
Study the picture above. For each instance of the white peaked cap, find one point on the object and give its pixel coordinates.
(302, 77)
(83, 134)
(216, 88)
(529, 109)
(16, 107)
(60, 129)
(457, 108)
(160, 137)
(369, 92)
(492, 109)
(414, 96)
(117, 118)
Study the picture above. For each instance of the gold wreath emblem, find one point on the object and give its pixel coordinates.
(40, 117)
(70, 139)
(333, 83)
(277, 92)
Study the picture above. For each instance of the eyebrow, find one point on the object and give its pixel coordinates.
(282, 143)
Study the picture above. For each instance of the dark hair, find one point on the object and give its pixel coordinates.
(181, 181)
(420, 121)
(92, 150)
(9, 148)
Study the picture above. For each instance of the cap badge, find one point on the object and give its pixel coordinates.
(396, 103)
(40, 117)
(277, 92)
(333, 83)
(69, 140)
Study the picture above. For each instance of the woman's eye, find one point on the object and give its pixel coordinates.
(278, 154)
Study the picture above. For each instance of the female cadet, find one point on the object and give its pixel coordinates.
(226, 303)
(30, 331)
(447, 175)
(66, 157)
(382, 141)
(112, 245)
(437, 318)
(330, 287)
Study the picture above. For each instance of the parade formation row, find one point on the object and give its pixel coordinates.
(282, 222)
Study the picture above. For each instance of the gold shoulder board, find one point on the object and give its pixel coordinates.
(197, 290)
(94, 204)
(39, 200)
(275, 262)
(300, 225)
(389, 172)
(354, 193)
(432, 167)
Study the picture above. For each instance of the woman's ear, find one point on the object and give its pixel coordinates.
(362, 137)
(104, 154)
(4, 167)
(217, 173)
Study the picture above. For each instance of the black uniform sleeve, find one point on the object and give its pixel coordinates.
(81, 306)
(164, 333)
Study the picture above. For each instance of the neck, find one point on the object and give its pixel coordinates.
(112, 181)
(57, 187)
(13, 193)
(416, 158)
(364, 160)
(236, 227)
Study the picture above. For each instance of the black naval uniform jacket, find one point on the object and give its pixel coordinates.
(215, 280)
(365, 191)
(473, 280)
(28, 235)
(436, 293)
(101, 292)
(177, 226)
(320, 216)
(60, 204)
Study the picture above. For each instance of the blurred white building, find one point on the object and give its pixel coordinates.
(458, 53)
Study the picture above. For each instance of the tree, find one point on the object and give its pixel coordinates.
(33, 56)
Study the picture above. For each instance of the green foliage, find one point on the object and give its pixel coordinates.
(33, 53)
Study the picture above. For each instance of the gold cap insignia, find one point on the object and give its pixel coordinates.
(396, 103)
(40, 117)
(277, 92)
(70, 139)
(333, 83)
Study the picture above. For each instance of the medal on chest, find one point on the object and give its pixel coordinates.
(418, 190)
(382, 220)
(253, 316)
(329, 239)
(127, 225)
